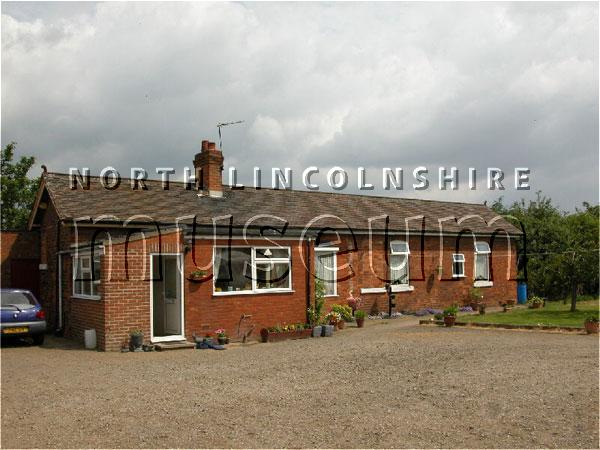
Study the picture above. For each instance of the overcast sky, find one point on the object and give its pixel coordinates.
(374, 85)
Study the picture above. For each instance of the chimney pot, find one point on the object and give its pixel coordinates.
(204, 145)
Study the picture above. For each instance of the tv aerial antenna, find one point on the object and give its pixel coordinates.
(225, 124)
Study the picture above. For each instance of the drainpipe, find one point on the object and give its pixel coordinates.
(58, 307)
(308, 276)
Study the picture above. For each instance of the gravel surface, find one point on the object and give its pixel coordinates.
(391, 384)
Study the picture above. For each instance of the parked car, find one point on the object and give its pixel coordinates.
(22, 315)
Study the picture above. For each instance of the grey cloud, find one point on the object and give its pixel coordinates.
(374, 85)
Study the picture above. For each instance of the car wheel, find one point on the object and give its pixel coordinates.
(38, 339)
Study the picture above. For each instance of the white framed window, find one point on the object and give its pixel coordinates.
(86, 275)
(458, 265)
(248, 270)
(482, 261)
(326, 268)
(399, 253)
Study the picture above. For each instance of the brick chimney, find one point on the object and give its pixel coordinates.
(209, 165)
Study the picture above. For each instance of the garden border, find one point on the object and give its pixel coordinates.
(507, 326)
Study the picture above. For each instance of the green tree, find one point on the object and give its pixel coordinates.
(17, 192)
(562, 259)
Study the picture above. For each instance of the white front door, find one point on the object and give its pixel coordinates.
(172, 295)
(167, 304)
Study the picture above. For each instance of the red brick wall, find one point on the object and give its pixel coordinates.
(206, 312)
(125, 302)
(126, 287)
(430, 288)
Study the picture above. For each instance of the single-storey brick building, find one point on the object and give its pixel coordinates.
(177, 260)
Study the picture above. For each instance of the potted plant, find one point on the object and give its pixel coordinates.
(333, 318)
(475, 297)
(535, 302)
(345, 313)
(354, 302)
(197, 275)
(136, 339)
(591, 325)
(450, 315)
(359, 315)
(222, 337)
(507, 305)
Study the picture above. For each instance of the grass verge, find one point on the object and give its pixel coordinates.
(554, 313)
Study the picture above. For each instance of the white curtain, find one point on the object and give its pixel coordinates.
(482, 266)
(325, 271)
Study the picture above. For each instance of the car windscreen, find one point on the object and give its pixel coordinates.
(18, 299)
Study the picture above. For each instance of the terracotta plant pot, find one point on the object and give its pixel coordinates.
(536, 305)
(341, 325)
(449, 320)
(360, 322)
(591, 327)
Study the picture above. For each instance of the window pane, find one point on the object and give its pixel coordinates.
(399, 269)
(458, 268)
(481, 267)
(272, 253)
(85, 262)
(97, 275)
(273, 276)
(399, 247)
(326, 271)
(458, 257)
(482, 247)
(171, 275)
(239, 278)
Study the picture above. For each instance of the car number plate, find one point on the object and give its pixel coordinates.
(15, 330)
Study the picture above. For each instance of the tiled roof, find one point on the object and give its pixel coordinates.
(297, 207)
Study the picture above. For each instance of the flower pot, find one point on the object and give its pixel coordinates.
(536, 305)
(222, 340)
(591, 327)
(327, 330)
(360, 322)
(316, 331)
(136, 340)
(449, 320)
(341, 325)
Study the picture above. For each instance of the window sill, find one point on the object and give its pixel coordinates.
(372, 290)
(331, 295)
(458, 276)
(258, 292)
(402, 288)
(395, 288)
(483, 283)
(96, 298)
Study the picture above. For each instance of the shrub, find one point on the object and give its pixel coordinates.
(451, 311)
(591, 319)
(360, 314)
(136, 333)
(344, 311)
(438, 316)
(535, 300)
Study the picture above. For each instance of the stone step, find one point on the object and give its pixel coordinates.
(174, 345)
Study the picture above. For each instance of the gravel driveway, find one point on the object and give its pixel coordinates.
(391, 384)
